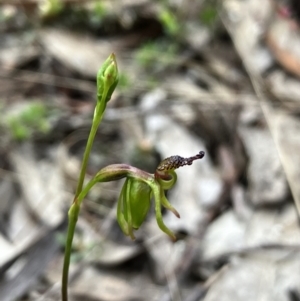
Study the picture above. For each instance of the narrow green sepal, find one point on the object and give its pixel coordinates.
(112, 172)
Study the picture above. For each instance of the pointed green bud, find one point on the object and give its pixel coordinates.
(107, 78)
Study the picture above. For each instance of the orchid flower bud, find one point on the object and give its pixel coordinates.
(107, 78)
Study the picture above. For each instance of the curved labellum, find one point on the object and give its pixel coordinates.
(174, 162)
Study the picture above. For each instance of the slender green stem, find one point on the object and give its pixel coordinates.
(107, 80)
(80, 193)
(73, 217)
(98, 115)
(86, 155)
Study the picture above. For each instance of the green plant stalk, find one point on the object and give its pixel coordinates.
(100, 107)
(75, 207)
(80, 194)
(73, 217)
(107, 80)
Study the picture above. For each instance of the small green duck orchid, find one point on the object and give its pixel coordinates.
(140, 187)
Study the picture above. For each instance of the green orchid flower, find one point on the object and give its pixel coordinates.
(140, 187)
